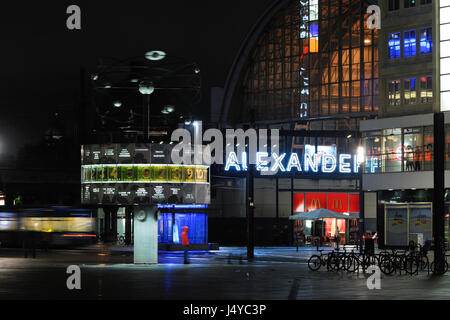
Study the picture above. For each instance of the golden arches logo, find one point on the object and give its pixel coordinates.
(315, 204)
(337, 204)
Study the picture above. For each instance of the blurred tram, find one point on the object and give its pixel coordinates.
(54, 226)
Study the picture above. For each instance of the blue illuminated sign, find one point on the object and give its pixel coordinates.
(312, 162)
(182, 206)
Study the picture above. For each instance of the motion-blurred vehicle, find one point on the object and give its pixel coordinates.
(54, 226)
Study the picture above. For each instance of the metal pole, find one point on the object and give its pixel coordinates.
(250, 214)
(439, 193)
(361, 204)
(146, 117)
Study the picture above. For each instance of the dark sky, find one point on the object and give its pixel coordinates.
(41, 58)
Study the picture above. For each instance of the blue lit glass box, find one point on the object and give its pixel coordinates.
(170, 226)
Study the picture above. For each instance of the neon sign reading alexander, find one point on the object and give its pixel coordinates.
(309, 163)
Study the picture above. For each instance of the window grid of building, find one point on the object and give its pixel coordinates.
(444, 12)
(301, 68)
(408, 96)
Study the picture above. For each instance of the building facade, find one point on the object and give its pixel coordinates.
(309, 69)
(399, 145)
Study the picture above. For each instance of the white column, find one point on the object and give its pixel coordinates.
(146, 235)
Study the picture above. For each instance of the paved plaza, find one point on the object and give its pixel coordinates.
(274, 274)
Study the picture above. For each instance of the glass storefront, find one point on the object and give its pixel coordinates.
(170, 227)
(327, 229)
(399, 150)
(403, 213)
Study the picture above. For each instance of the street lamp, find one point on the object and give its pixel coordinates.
(146, 88)
(155, 55)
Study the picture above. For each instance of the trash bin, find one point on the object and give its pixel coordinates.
(369, 245)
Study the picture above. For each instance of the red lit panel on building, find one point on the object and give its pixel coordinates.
(315, 201)
(299, 202)
(338, 202)
(354, 203)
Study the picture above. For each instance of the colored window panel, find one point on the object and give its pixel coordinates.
(409, 43)
(426, 89)
(160, 173)
(175, 173)
(201, 175)
(144, 173)
(394, 45)
(128, 173)
(410, 91)
(112, 173)
(189, 174)
(394, 92)
(426, 40)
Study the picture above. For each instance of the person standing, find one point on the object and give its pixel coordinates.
(185, 244)
(417, 158)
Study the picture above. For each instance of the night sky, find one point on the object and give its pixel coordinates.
(41, 58)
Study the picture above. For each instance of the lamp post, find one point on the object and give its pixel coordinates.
(439, 193)
(360, 158)
(146, 88)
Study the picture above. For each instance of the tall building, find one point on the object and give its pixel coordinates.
(399, 144)
(310, 69)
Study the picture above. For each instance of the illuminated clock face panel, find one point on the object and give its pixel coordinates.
(136, 174)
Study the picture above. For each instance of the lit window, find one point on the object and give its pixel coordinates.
(426, 89)
(394, 5)
(394, 45)
(394, 92)
(426, 40)
(409, 89)
(410, 4)
(409, 43)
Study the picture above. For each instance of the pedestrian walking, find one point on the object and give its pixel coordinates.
(185, 244)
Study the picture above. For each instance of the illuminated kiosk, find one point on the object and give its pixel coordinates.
(142, 176)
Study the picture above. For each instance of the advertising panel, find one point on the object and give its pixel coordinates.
(396, 225)
(420, 220)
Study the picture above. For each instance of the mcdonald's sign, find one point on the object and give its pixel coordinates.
(338, 202)
(315, 201)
